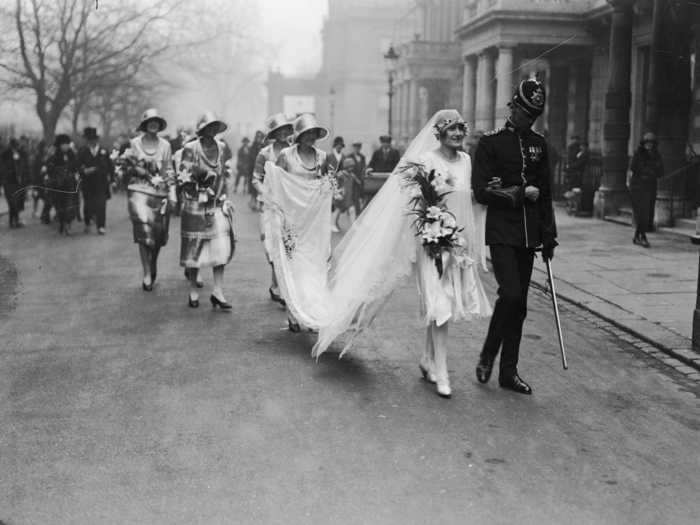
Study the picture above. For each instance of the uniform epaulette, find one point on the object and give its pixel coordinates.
(494, 132)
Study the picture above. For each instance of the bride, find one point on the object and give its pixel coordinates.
(424, 218)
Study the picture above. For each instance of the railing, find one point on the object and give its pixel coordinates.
(683, 189)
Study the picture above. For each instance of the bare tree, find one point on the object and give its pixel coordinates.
(67, 49)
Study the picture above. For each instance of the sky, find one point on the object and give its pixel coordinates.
(293, 27)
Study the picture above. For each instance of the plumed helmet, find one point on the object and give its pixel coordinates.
(152, 114)
(307, 122)
(530, 97)
(448, 118)
(276, 122)
(209, 119)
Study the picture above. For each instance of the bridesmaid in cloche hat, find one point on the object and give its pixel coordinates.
(207, 236)
(62, 173)
(151, 189)
(279, 130)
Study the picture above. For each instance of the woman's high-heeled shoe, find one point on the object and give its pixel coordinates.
(276, 297)
(147, 287)
(293, 326)
(215, 301)
(443, 388)
(427, 374)
(194, 303)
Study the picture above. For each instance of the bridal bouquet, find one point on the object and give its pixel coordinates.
(434, 223)
(198, 183)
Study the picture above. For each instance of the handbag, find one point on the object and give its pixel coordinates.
(510, 196)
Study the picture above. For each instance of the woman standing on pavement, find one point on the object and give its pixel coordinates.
(150, 187)
(207, 235)
(62, 174)
(646, 168)
(279, 129)
(297, 195)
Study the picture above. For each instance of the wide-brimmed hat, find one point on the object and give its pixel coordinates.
(307, 122)
(448, 118)
(90, 133)
(209, 119)
(60, 139)
(277, 122)
(151, 114)
(530, 97)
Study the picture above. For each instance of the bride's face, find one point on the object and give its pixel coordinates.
(453, 137)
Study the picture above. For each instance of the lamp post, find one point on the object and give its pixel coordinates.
(391, 57)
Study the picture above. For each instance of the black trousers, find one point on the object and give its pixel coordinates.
(95, 205)
(642, 198)
(512, 266)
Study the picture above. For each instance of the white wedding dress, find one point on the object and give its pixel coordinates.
(378, 252)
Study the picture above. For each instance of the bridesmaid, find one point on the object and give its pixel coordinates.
(151, 187)
(207, 213)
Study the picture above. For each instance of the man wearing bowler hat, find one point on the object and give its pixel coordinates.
(511, 175)
(385, 159)
(96, 172)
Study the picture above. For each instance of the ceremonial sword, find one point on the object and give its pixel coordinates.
(550, 278)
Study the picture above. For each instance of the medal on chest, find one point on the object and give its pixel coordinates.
(534, 153)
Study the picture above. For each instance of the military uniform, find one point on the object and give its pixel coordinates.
(515, 226)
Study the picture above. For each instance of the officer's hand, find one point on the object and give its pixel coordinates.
(548, 252)
(494, 183)
(532, 193)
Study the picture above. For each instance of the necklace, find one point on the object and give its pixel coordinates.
(301, 161)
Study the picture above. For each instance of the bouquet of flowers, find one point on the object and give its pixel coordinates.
(434, 223)
(144, 171)
(330, 180)
(197, 182)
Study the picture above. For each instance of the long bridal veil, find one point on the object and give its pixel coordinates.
(378, 252)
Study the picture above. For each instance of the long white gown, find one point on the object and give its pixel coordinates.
(376, 255)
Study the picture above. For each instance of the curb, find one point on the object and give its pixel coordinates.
(671, 352)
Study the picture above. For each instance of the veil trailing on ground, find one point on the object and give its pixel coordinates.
(379, 250)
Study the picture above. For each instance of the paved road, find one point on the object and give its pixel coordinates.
(119, 406)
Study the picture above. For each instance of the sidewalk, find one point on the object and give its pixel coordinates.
(650, 293)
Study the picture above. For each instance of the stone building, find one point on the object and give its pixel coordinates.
(613, 69)
(350, 90)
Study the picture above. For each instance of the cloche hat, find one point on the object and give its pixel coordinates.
(276, 122)
(209, 119)
(307, 122)
(90, 133)
(152, 114)
(530, 97)
(448, 118)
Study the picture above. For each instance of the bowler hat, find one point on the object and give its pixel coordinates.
(60, 139)
(209, 119)
(152, 114)
(277, 122)
(307, 122)
(530, 97)
(90, 133)
(385, 139)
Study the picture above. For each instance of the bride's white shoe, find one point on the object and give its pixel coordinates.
(443, 388)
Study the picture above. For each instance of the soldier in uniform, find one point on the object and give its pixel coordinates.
(512, 177)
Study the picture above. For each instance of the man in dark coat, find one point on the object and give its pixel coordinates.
(385, 159)
(243, 162)
(512, 177)
(14, 174)
(96, 172)
(360, 167)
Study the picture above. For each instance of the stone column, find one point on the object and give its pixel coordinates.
(483, 120)
(469, 90)
(412, 108)
(612, 192)
(504, 82)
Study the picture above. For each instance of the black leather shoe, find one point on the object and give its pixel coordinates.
(515, 384)
(215, 301)
(484, 369)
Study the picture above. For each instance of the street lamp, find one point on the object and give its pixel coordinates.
(391, 57)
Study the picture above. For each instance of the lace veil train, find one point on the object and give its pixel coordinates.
(379, 251)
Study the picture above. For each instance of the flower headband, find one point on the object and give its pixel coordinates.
(445, 124)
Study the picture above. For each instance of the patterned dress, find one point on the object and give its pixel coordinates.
(148, 201)
(207, 232)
